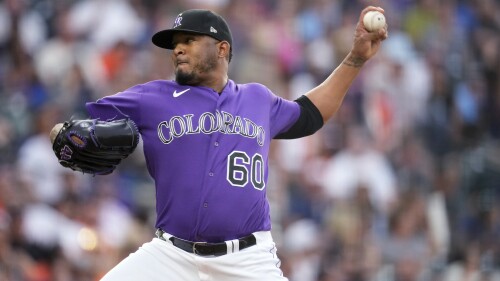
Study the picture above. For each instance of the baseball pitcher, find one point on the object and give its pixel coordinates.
(206, 144)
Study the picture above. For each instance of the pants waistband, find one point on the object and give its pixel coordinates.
(212, 249)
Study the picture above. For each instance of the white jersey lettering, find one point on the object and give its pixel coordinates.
(208, 123)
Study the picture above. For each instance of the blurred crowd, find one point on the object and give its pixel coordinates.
(402, 185)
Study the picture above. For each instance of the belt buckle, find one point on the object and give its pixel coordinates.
(159, 234)
(194, 248)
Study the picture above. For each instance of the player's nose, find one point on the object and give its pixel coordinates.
(178, 49)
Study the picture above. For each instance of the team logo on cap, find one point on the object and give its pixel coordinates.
(177, 21)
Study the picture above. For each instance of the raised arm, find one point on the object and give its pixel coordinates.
(328, 95)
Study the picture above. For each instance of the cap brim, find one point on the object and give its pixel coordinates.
(163, 39)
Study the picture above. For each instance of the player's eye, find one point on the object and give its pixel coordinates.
(186, 40)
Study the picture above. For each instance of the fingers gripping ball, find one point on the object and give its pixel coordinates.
(374, 20)
(93, 146)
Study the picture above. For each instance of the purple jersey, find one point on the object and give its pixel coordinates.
(206, 152)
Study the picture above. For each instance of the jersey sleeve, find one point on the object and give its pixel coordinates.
(309, 121)
(284, 114)
(118, 106)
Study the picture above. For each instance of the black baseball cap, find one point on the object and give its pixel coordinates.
(196, 21)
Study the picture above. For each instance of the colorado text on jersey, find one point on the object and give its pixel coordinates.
(208, 122)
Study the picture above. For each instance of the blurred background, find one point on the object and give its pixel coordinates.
(402, 185)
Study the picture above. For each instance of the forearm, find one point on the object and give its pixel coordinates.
(328, 96)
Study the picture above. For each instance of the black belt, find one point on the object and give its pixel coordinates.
(209, 249)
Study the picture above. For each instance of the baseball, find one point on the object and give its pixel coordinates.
(374, 20)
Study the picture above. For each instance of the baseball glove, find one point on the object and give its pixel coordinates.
(95, 147)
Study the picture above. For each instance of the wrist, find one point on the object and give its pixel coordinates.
(354, 60)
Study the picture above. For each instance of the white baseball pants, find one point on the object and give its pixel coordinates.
(160, 260)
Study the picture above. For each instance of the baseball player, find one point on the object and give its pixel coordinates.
(206, 143)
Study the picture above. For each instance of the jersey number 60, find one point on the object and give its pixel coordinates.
(240, 168)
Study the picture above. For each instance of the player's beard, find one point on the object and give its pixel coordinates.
(185, 78)
(195, 76)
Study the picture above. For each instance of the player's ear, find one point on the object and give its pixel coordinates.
(224, 48)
